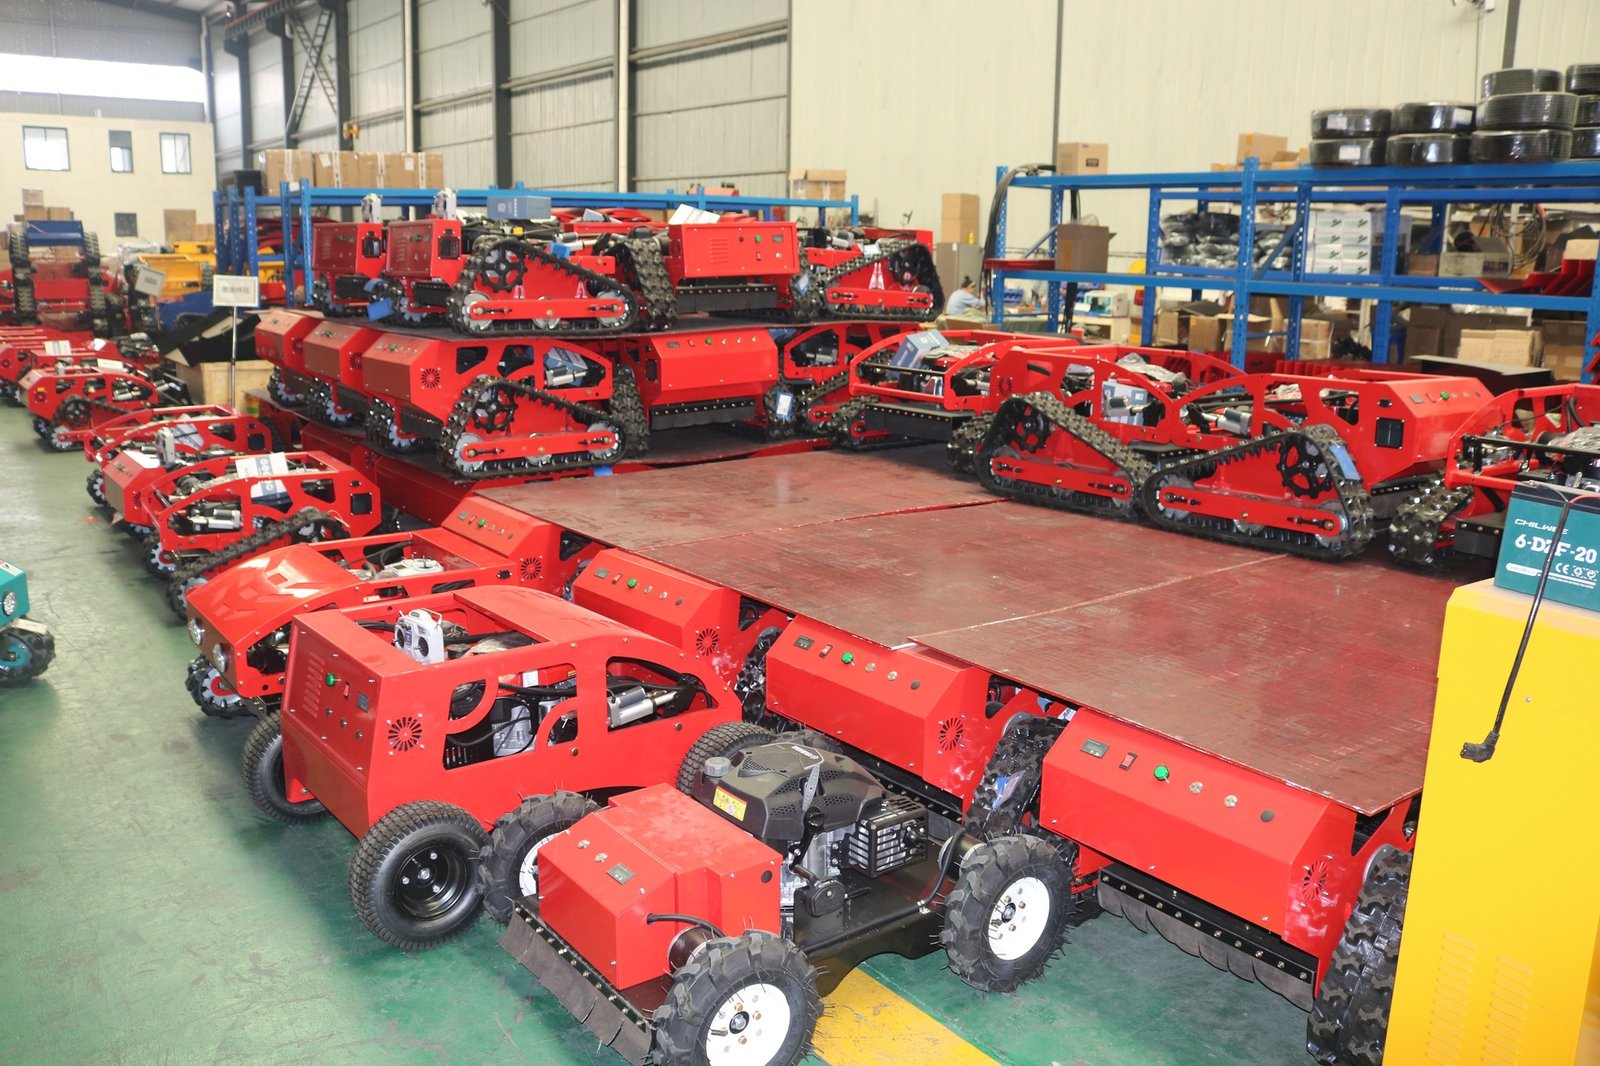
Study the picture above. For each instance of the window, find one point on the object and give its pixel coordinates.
(45, 148)
(121, 152)
(175, 154)
(127, 223)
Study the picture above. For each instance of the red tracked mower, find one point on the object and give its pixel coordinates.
(280, 339)
(419, 723)
(1547, 435)
(131, 457)
(1302, 464)
(69, 401)
(347, 259)
(209, 515)
(336, 372)
(240, 620)
(50, 348)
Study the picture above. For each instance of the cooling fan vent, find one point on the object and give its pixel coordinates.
(951, 732)
(1315, 881)
(431, 378)
(707, 641)
(405, 733)
(355, 361)
(530, 569)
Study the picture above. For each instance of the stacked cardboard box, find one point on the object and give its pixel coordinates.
(817, 183)
(958, 218)
(1082, 248)
(1344, 242)
(1564, 348)
(353, 170)
(1506, 347)
(1082, 158)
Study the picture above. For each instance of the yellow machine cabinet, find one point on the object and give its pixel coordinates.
(1500, 955)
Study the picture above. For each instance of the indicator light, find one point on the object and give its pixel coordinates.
(1161, 772)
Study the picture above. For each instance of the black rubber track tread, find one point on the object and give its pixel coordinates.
(1415, 532)
(42, 649)
(152, 552)
(722, 967)
(1521, 146)
(466, 283)
(384, 838)
(1586, 142)
(1349, 1019)
(1018, 758)
(1583, 78)
(1427, 150)
(962, 450)
(1588, 111)
(724, 740)
(1344, 123)
(1520, 80)
(1062, 419)
(1528, 111)
(844, 423)
(1433, 116)
(751, 683)
(534, 819)
(261, 765)
(1346, 152)
(985, 874)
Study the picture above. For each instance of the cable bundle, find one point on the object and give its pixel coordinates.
(1433, 117)
(1521, 146)
(1528, 111)
(1521, 80)
(1427, 150)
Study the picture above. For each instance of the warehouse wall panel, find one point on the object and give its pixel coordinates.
(105, 106)
(716, 116)
(87, 29)
(377, 74)
(266, 89)
(563, 134)
(1557, 33)
(453, 54)
(464, 134)
(551, 35)
(975, 92)
(225, 95)
(663, 22)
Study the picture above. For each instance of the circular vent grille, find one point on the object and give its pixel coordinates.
(1314, 882)
(530, 569)
(431, 378)
(707, 641)
(405, 733)
(355, 361)
(951, 732)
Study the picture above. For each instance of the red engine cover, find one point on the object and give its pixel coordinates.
(281, 337)
(655, 851)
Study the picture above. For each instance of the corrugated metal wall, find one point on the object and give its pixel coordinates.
(454, 87)
(225, 95)
(266, 90)
(377, 74)
(717, 114)
(563, 119)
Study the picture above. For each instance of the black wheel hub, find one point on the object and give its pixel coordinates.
(1305, 471)
(431, 881)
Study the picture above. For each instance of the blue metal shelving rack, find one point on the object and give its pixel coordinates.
(238, 251)
(1388, 188)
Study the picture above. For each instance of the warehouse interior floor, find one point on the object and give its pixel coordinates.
(153, 916)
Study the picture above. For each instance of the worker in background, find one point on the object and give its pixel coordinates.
(963, 299)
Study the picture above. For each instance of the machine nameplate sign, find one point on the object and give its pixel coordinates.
(1530, 527)
(148, 281)
(729, 804)
(620, 874)
(230, 290)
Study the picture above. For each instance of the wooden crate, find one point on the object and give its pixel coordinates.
(208, 382)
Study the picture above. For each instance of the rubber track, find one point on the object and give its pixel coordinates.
(921, 261)
(1129, 464)
(626, 412)
(646, 272)
(382, 426)
(1017, 767)
(1415, 532)
(1350, 1017)
(1351, 493)
(239, 549)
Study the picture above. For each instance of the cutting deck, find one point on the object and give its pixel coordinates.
(1261, 659)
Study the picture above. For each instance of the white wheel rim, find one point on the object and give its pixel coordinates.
(750, 1027)
(461, 448)
(610, 449)
(528, 872)
(475, 325)
(1018, 919)
(610, 294)
(544, 323)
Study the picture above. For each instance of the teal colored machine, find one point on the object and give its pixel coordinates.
(26, 646)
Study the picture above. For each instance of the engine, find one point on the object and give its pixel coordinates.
(830, 818)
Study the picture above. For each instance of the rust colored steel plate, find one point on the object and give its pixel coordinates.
(774, 495)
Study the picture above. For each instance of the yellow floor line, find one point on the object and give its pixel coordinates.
(864, 1023)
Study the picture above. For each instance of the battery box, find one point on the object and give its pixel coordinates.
(1530, 528)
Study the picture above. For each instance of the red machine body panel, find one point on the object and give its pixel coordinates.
(281, 334)
(729, 367)
(1280, 857)
(732, 249)
(427, 371)
(367, 728)
(728, 878)
(424, 249)
(334, 351)
(220, 423)
(345, 256)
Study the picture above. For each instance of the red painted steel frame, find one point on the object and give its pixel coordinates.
(280, 337)
(204, 426)
(1522, 415)
(112, 390)
(365, 726)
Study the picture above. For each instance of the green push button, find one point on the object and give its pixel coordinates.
(633, 582)
(482, 522)
(1161, 772)
(329, 680)
(847, 658)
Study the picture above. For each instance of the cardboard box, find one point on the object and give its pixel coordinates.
(1205, 332)
(1264, 146)
(205, 231)
(34, 213)
(1082, 248)
(1455, 324)
(1172, 327)
(284, 164)
(208, 382)
(325, 169)
(397, 170)
(1508, 347)
(1422, 266)
(1491, 259)
(430, 170)
(958, 218)
(58, 214)
(817, 183)
(32, 197)
(1563, 348)
(1082, 158)
(178, 224)
(359, 170)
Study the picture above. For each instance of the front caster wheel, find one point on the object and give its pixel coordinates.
(414, 877)
(749, 1000)
(509, 865)
(262, 767)
(1008, 912)
(211, 691)
(158, 561)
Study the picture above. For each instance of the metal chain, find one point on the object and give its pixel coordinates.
(1416, 536)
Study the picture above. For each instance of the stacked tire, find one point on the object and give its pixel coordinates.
(1526, 117)
(1583, 81)
(1349, 136)
(1429, 134)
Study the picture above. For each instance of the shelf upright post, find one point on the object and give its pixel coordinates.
(1246, 261)
(1383, 309)
(306, 239)
(218, 231)
(997, 278)
(1297, 266)
(1152, 255)
(287, 242)
(1591, 328)
(252, 246)
(235, 198)
(1054, 290)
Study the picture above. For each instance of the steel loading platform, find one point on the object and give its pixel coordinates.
(1267, 661)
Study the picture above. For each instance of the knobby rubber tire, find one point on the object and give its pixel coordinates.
(535, 820)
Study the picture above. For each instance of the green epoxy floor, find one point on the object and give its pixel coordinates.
(151, 916)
